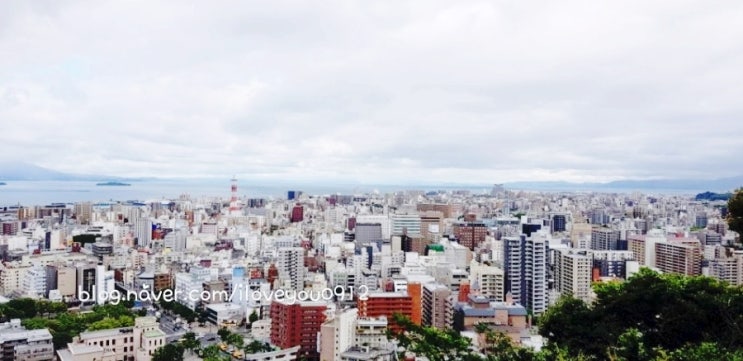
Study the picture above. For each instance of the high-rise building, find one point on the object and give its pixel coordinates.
(297, 324)
(525, 261)
(368, 232)
(490, 280)
(297, 213)
(143, 231)
(408, 224)
(700, 221)
(573, 270)
(434, 305)
(679, 256)
(291, 267)
(728, 268)
(557, 223)
(605, 239)
(83, 212)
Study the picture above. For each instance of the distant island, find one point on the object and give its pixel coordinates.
(711, 196)
(2, 183)
(116, 184)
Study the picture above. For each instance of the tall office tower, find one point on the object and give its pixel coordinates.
(677, 256)
(297, 213)
(291, 267)
(409, 224)
(83, 212)
(598, 216)
(605, 239)
(557, 223)
(434, 302)
(573, 273)
(297, 324)
(368, 232)
(526, 271)
(470, 234)
(338, 334)
(143, 231)
(700, 221)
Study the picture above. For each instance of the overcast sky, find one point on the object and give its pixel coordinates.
(375, 91)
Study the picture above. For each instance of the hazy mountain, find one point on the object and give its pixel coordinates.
(681, 185)
(21, 171)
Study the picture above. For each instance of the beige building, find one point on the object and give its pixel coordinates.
(136, 343)
(573, 273)
(681, 256)
(434, 305)
(12, 275)
(490, 280)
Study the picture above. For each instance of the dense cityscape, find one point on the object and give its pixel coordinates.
(336, 277)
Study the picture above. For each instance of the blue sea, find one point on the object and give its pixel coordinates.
(29, 193)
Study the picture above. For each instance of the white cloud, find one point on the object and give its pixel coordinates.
(375, 91)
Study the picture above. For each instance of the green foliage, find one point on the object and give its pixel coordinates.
(62, 324)
(253, 317)
(235, 339)
(224, 333)
(186, 313)
(85, 238)
(257, 347)
(189, 342)
(112, 322)
(735, 212)
(649, 314)
(169, 352)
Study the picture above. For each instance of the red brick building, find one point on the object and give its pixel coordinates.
(297, 324)
(470, 234)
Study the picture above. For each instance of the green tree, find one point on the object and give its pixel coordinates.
(735, 212)
(169, 352)
(224, 333)
(432, 343)
(252, 318)
(190, 342)
(573, 325)
(235, 339)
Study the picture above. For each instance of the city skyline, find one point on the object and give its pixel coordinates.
(477, 92)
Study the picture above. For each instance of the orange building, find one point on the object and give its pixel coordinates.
(389, 303)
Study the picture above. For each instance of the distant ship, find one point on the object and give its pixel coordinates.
(117, 184)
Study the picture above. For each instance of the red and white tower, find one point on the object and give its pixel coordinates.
(234, 205)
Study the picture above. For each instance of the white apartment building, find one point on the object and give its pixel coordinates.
(34, 282)
(337, 334)
(291, 267)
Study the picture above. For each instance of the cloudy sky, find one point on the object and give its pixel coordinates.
(375, 91)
